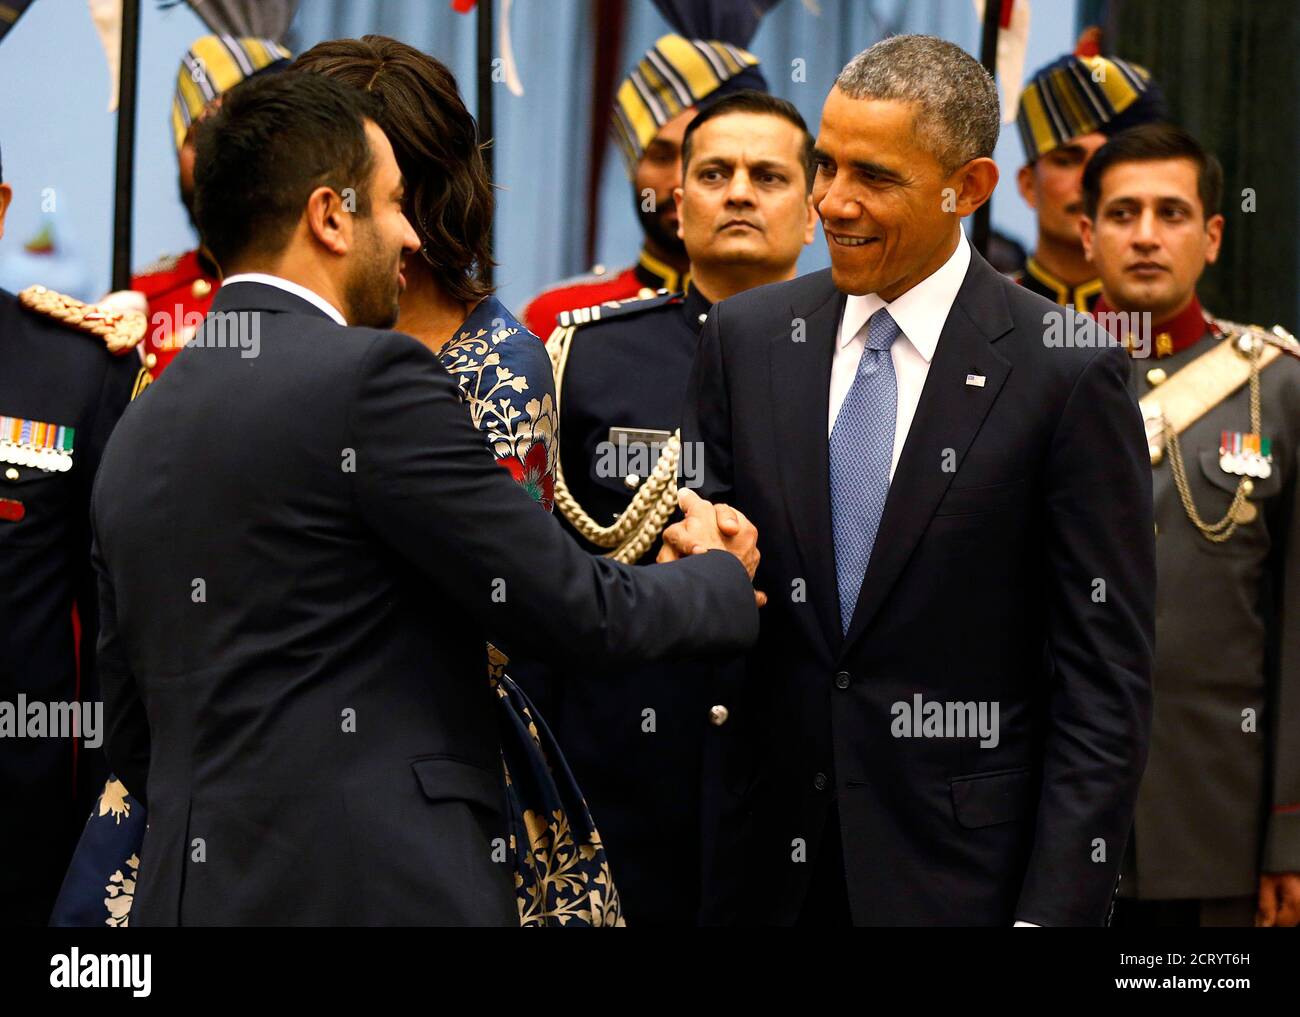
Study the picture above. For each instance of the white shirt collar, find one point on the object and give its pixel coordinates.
(921, 311)
(311, 296)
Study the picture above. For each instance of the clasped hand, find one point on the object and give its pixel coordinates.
(709, 527)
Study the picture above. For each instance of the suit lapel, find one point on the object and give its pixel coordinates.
(948, 416)
(800, 397)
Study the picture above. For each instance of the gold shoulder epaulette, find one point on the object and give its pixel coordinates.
(1246, 335)
(632, 305)
(120, 330)
(586, 315)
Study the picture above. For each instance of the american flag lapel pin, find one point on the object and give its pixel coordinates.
(975, 380)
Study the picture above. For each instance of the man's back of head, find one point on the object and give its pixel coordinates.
(294, 178)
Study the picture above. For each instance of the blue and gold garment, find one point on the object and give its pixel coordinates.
(561, 874)
(560, 870)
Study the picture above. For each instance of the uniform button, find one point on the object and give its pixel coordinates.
(703, 318)
(200, 289)
(1247, 487)
(820, 782)
(718, 715)
(151, 361)
(11, 474)
(644, 293)
(842, 680)
(1156, 376)
(632, 481)
(597, 269)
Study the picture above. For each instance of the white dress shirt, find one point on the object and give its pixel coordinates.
(920, 314)
(311, 296)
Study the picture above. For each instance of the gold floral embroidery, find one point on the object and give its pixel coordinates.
(113, 799)
(121, 892)
(561, 892)
(488, 388)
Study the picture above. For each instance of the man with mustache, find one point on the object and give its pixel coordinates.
(652, 108)
(634, 736)
(313, 738)
(946, 715)
(1066, 112)
(1216, 837)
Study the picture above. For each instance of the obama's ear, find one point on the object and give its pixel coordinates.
(975, 183)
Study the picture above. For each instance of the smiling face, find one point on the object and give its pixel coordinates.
(1151, 240)
(1053, 187)
(888, 207)
(744, 199)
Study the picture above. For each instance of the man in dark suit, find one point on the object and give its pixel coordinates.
(314, 738)
(946, 716)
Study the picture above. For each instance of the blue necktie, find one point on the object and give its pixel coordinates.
(861, 451)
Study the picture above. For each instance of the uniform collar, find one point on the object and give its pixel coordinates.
(1063, 292)
(695, 307)
(1184, 329)
(659, 275)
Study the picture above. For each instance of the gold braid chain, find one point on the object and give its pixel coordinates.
(1218, 532)
(638, 526)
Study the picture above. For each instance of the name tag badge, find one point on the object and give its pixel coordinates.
(638, 436)
(630, 454)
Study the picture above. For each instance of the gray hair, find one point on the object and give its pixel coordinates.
(957, 117)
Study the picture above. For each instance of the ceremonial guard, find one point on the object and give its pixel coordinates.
(177, 290)
(1216, 837)
(635, 737)
(67, 371)
(1066, 112)
(652, 109)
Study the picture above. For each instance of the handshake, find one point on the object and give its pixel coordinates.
(709, 527)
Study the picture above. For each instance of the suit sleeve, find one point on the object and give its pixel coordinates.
(1282, 830)
(127, 739)
(706, 418)
(430, 489)
(1100, 588)
(115, 394)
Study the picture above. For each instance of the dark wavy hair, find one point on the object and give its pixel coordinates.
(449, 197)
